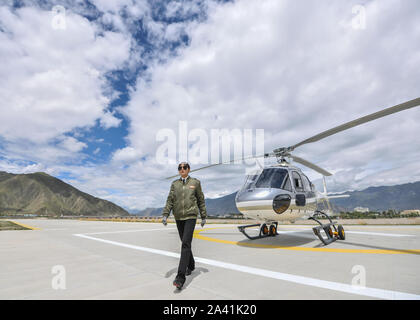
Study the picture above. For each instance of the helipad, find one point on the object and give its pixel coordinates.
(71, 259)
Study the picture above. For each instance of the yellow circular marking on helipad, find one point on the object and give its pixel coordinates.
(25, 226)
(198, 235)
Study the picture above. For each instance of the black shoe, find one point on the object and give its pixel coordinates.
(178, 283)
(189, 271)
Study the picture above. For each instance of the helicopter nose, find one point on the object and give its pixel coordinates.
(281, 202)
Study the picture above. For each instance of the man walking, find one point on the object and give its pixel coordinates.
(185, 199)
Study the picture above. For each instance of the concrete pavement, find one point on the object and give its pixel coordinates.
(72, 259)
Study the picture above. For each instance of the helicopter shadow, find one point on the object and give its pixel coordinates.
(280, 240)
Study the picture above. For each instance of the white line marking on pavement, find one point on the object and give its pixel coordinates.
(137, 230)
(336, 286)
(130, 246)
(381, 234)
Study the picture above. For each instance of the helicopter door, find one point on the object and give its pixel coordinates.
(300, 191)
(308, 186)
(287, 184)
(297, 182)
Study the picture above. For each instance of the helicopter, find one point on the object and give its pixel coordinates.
(281, 192)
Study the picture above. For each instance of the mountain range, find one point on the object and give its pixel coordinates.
(42, 194)
(398, 197)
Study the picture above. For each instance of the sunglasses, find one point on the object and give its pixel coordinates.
(182, 168)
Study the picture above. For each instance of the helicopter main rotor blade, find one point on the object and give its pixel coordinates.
(373, 116)
(226, 162)
(212, 165)
(310, 165)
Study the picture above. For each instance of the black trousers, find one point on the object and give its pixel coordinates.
(185, 230)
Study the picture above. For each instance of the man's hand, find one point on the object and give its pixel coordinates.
(203, 222)
(164, 221)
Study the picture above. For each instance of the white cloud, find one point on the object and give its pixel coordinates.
(181, 9)
(71, 144)
(108, 120)
(54, 77)
(293, 69)
(53, 82)
(127, 154)
(114, 5)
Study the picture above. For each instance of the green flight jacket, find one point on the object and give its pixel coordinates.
(185, 200)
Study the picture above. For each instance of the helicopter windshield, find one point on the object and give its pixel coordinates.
(272, 178)
(250, 181)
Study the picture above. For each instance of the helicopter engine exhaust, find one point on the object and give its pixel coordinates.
(281, 203)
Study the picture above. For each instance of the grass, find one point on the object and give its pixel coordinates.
(8, 225)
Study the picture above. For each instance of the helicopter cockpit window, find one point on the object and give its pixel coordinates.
(297, 181)
(271, 178)
(250, 182)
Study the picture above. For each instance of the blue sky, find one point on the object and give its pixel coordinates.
(102, 142)
(85, 100)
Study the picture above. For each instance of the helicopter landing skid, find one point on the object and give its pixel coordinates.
(265, 231)
(332, 235)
